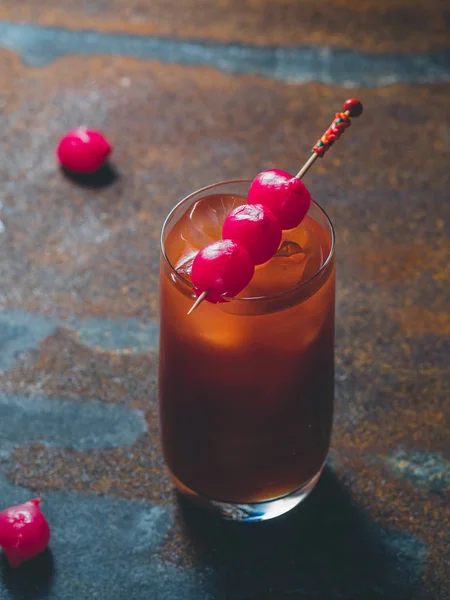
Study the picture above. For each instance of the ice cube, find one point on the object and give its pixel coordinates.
(184, 264)
(203, 222)
(279, 274)
(298, 258)
(288, 248)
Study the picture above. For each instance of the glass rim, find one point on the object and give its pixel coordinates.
(291, 290)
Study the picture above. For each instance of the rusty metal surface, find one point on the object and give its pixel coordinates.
(79, 331)
(368, 24)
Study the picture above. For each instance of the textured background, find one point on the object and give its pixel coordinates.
(192, 92)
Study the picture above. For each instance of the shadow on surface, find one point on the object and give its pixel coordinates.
(103, 177)
(32, 580)
(328, 548)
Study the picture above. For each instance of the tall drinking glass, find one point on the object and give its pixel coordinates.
(246, 386)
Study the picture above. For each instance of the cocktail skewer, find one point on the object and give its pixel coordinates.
(199, 300)
(352, 108)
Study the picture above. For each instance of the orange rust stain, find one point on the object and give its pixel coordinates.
(397, 262)
(418, 320)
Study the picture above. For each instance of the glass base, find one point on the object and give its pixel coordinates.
(254, 511)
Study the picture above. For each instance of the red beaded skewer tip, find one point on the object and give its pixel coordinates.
(352, 108)
(252, 232)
